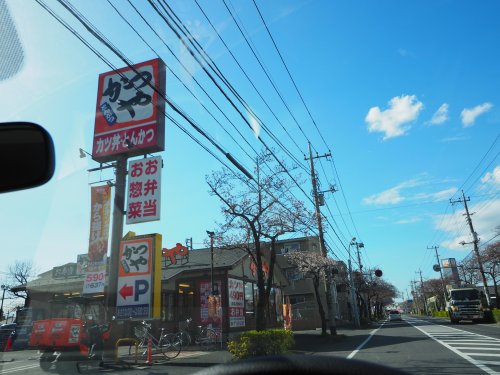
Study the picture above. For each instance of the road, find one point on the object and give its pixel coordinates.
(425, 345)
(416, 345)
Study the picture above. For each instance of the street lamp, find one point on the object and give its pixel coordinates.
(4, 288)
(354, 304)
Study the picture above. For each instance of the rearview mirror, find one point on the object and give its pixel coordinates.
(26, 156)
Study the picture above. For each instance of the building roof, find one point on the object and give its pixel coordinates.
(200, 259)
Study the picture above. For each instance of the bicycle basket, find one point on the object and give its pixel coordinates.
(140, 332)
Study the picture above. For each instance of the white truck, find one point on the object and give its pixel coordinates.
(465, 304)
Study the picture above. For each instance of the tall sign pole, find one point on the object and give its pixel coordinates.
(329, 282)
(130, 121)
(116, 234)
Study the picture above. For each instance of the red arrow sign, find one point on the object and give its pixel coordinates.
(126, 291)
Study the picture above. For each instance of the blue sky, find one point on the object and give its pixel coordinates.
(404, 93)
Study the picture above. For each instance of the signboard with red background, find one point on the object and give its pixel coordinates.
(130, 113)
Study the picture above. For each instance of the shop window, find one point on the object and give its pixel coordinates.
(297, 299)
(168, 304)
(185, 301)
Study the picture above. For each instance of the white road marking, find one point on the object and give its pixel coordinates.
(365, 342)
(435, 332)
(21, 368)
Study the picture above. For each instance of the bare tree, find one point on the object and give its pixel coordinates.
(20, 272)
(315, 266)
(254, 212)
(491, 263)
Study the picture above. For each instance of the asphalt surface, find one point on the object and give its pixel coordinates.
(416, 345)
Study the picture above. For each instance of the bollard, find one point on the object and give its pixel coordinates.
(150, 352)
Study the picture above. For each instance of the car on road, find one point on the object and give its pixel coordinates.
(394, 315)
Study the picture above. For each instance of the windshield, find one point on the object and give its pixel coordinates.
(228, 168)
(464, 295)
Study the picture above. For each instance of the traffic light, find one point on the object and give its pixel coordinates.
(378, 273)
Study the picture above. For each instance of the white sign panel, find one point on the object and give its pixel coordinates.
(95, 277)
(144, 190)
(236, 303)
(134, 279)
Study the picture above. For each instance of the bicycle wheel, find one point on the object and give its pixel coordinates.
(208, 338)
(185, 338)
(170, 345)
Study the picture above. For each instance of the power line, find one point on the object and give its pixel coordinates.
(289, 74)
(229, 86)
(187, 87)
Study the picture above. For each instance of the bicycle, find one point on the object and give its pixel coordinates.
(203, 335)
(167, 344)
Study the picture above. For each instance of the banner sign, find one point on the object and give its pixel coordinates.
(236, 303)
(210, 305)
(144, 190)
(130, 112)
(139, 278)
(100, 206)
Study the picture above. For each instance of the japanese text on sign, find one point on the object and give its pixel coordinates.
(134, 297)
(130, 111)
(236, 303)
(144, 190)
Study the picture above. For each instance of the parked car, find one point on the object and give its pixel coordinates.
(394, 315)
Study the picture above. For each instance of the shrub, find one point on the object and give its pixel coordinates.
(440, 314)
(496, 315)
(260, 343)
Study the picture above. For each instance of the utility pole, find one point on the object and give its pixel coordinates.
(329, 280)
(423, 292)
(354, 300)
(414, 295)
(475, 242)
(435, 247)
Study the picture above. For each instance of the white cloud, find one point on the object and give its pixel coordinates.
(409, 221)
(441, 115)
(395, 194)
(492, 178)
(469, 115)
(394, 121)
(485, 221)
(437, 196)
(454, 139)
(392, 195)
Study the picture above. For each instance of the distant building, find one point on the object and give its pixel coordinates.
(300, 290)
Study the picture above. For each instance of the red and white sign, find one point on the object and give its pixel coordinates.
(134, 279)
(144, 190)
(236, 303)
(95, 272)
(130, 113)
(95, 277)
